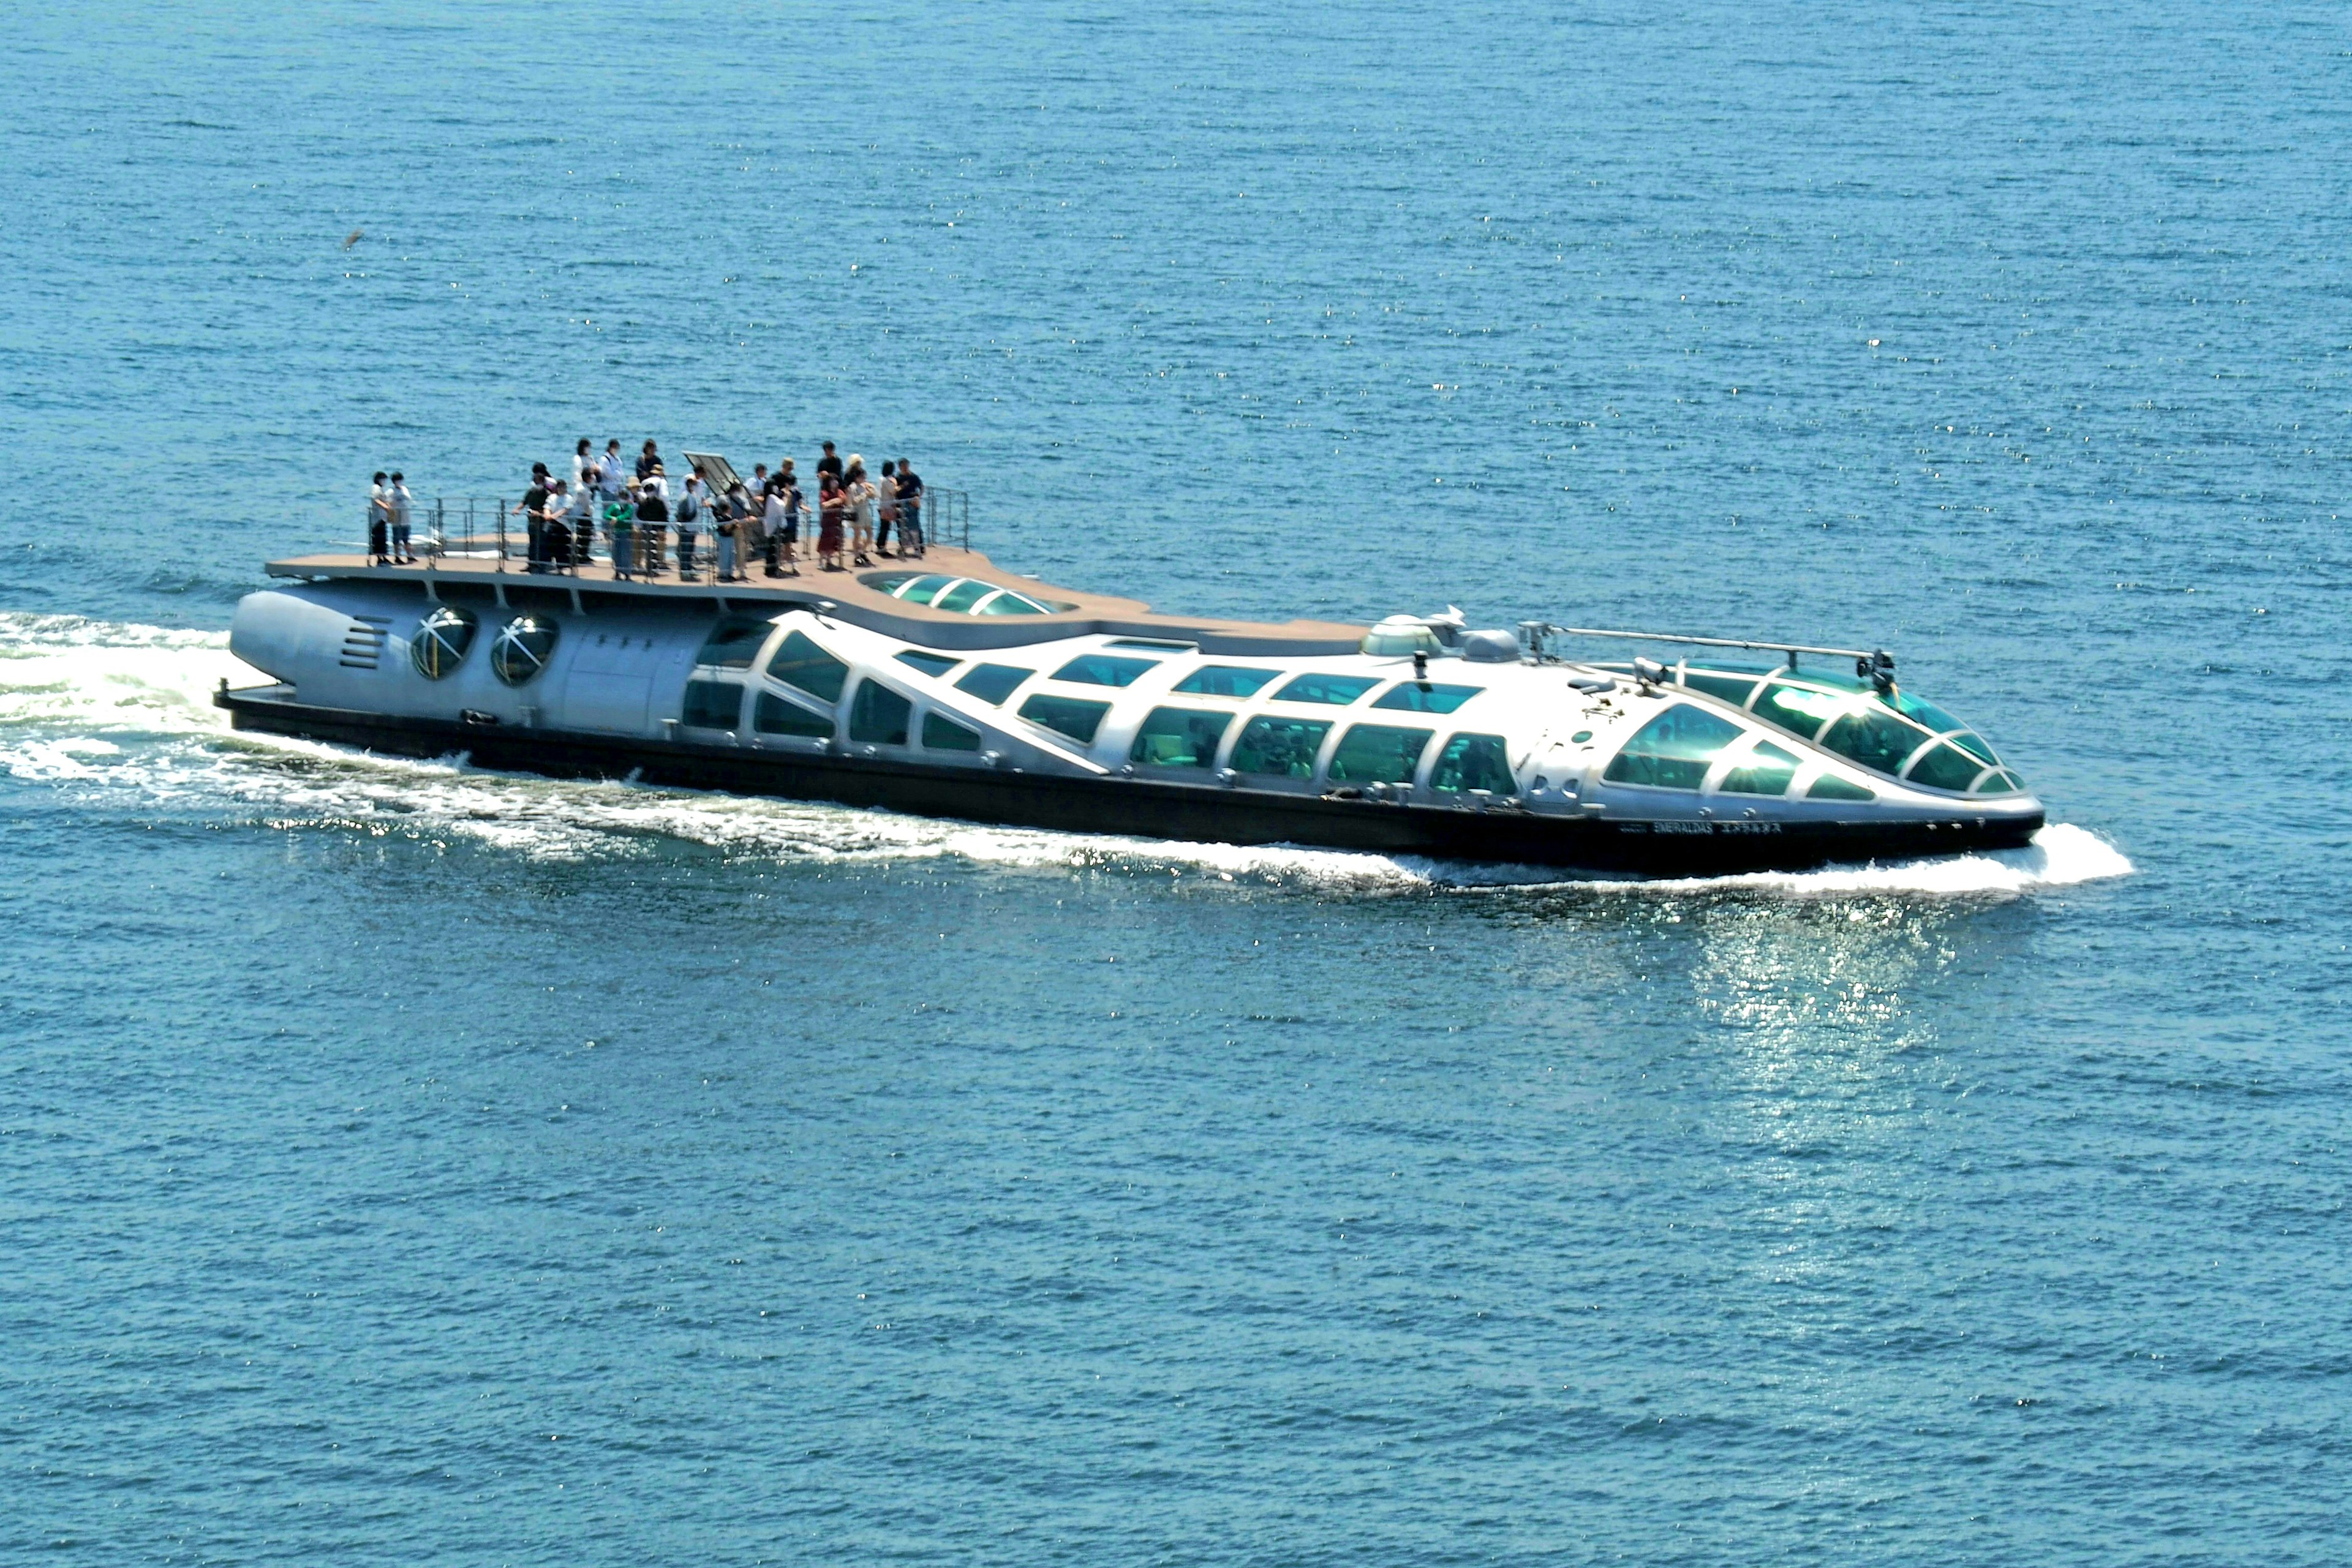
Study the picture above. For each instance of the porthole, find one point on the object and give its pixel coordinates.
(524, 646)
(441, 640)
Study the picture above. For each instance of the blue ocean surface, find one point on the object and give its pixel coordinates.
(404, 1163)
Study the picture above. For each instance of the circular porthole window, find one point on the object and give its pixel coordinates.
(441, 640)
(524, 646)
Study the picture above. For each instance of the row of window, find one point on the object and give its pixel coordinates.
(1268, 746)
(961, 595)
(1676, 749)
(442, 639)
(1896, 734)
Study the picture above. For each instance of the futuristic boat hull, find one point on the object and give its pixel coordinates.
(1144, 807)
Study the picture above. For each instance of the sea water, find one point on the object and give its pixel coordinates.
(405, 1163)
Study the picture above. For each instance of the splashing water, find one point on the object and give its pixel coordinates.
(127, 708)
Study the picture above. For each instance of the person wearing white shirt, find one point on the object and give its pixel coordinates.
(379, 520)
(579, 517)
(583, 459)
(397, 503)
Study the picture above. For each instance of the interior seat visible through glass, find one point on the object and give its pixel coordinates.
(1673, 750)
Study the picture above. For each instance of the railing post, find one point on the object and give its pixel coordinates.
(502, 533)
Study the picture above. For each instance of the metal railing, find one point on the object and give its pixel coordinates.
(493, 528)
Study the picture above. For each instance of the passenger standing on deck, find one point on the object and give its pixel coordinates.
(911, 510)
(555, 534)
(750, 533)
(534, 520)
(580, 516)
(830, 506)
(794, 504)
(649, 461)
(397, 505)
(731, 528)
(861, 510)
(653, 521)
(771, 526)
(379, 520)
(886, 510)
(688, 518)
(583, 466)
(610, 472)
(828, 463)
(621, 517)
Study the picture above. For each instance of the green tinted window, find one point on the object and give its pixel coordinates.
(1377, 753)
(1421, 697)
(1673, 750)
(733, 643)
(1072, 716)
(1925, 713)
(931, 664)
(1104, 670)
(1766, 771)
(1009, 602)
(920, 590)
(1945, 766)
(1829, 786)
(1178, 738)
(1975, 747)
(774, 715)
(964, 596)
(1733, 689)
(1284, 748)
(941, 733)
(1875, 738)
(1340, 689)
(1799, 709)
(713, 704)
(1225, 680)
(878, 715)
(1474, 762)
(2000, 782)
(802, 663)
(994, 682)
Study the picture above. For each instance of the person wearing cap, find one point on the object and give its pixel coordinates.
(379, 520)
(653, 524)
(534, 520)
(397, 505)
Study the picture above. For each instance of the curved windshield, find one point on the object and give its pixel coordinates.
(1893, 733)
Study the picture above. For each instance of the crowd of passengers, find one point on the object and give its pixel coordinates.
(645, 525)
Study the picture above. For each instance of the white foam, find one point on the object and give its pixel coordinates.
(68, 684)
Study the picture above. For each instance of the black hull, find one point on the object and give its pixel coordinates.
(1141, 808)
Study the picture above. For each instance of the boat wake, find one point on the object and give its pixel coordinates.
(117, 712)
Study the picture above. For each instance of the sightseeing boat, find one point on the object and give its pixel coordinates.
(948, 687)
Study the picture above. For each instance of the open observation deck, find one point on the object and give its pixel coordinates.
(864, 596)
